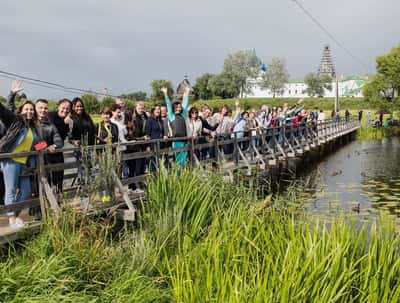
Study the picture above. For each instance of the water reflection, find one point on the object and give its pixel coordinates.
(360, 178)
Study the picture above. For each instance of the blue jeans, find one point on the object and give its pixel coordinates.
(13, 181)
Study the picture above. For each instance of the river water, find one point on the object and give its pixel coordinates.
(359, 179)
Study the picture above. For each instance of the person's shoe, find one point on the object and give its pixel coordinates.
(138, 191)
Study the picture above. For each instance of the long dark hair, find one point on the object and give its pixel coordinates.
(33, 123)
(84, 114)
(153, 109)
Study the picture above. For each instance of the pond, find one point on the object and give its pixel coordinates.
(360, 179)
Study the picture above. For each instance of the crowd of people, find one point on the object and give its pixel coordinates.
(31, 127)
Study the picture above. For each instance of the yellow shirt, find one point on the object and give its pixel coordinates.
(24, 146)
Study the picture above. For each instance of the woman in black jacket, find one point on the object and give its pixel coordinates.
(154, 127)
(22, 134)
(83, 130)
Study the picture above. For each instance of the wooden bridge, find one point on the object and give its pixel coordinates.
(267, 147)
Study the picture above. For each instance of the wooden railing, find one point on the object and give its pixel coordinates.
(265, 147)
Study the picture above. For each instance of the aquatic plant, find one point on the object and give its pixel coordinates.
(201, 239)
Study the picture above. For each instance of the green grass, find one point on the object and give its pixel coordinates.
(201, 239)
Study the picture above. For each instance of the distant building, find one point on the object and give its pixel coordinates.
(326, 67)
(348, 87)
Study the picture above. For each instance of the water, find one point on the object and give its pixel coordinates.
(360, 179)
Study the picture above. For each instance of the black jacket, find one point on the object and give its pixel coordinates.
(83, 129)
(140, 124)
(154, 128)
(206, 125)
(102, 133)
(50, 134)
(62, 128)
(13, 125)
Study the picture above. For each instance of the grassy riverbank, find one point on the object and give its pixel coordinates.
(377, 133)
(201, 239)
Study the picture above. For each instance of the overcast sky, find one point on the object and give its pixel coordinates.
(123, 45)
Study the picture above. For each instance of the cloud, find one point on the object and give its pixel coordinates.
(123, 45)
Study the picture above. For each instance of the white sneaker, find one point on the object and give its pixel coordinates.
(138, 191)
(17, 223)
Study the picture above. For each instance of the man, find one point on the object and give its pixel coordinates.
(121, 104)
(164, 118)
(137, 167)
(49, 132)
(63, 123)
(208, 132)
(177, 114)
(360, 114)
(50, 135)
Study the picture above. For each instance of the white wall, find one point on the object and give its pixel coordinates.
(347, 88)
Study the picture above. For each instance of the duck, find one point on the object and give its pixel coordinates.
(356, 208)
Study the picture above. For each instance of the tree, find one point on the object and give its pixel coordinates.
(388, 67)
(135, 96)
(275, 77)
(386, 83)
(91, 103)
(201, 89)
(156, 86)
(239, 67)
(223, 86)
(316, 84)
(107, 101)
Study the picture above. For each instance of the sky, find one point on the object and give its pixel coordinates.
(124, 45)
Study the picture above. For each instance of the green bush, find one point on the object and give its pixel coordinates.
(309, 103)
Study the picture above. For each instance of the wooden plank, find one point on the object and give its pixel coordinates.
(19, 206)
(123, 192)
(50, 196)
(8, 234)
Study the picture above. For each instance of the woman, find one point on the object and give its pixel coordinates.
(106, 131)
(83, 129)
(22, 134)
(154, 127)
(224, 130)
(194, 124)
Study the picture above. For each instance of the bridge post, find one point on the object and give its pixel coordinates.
(158, 156)
(41, 174)
(236, 149)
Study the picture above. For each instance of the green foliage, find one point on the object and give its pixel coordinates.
(135, 96)
(377, 133)
(107, 101)
(275, 77)
(309, 103)
(223, 86)
(3, 100)
(316, 84)
(201, 239)
(385, 85)
(156, 86)
(202, 89)
(240, 66)
(91, 103)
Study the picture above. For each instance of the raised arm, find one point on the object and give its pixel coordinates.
(185, 101)
(170, 111)
(16, 86)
